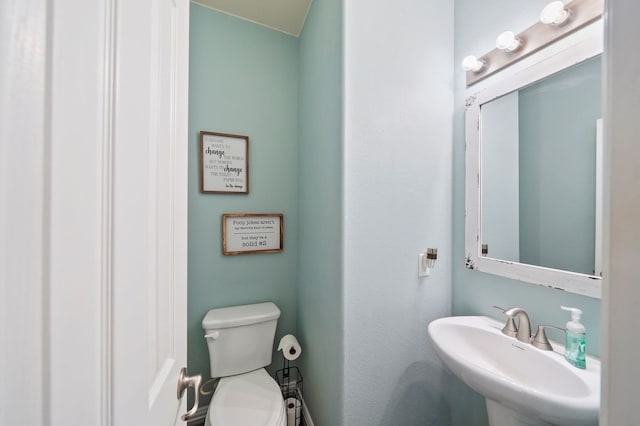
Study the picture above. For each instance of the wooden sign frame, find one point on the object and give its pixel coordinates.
(252, 233)
(224, 163)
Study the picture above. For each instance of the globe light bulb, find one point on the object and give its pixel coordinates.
(554, 13)
(508, 41)
(471, 63)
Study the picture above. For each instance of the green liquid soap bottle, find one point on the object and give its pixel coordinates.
(575, 339)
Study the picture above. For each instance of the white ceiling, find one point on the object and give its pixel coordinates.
(287, 16)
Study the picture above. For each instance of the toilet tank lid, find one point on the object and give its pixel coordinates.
(236, 316)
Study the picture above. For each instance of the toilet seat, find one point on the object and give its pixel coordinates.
(249, 399)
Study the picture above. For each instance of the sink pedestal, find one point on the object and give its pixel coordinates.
(499, 415)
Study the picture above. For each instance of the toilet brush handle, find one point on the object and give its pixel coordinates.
(185, 382)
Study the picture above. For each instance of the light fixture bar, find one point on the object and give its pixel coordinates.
(538, 36)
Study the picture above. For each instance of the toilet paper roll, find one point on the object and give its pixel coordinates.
(290, 347)
(293, 411)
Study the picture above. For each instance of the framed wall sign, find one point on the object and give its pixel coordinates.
(252, 233)
(224, 163)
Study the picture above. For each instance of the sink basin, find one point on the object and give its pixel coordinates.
(532, 385)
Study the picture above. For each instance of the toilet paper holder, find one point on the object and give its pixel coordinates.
(290, 381)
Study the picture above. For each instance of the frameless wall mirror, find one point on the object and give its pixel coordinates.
(534, 172)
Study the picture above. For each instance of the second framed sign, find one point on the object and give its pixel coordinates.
(252, 233)
(224, 163)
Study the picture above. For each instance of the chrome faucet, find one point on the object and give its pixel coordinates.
(523, 330)
(524, 327)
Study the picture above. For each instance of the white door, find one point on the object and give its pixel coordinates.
(93, 218)
(149, 245)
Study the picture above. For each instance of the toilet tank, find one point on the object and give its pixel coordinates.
(240, 338)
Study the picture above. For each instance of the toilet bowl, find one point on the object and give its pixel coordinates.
(247, 399)
(240, 342)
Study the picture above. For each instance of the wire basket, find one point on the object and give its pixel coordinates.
(290, 381)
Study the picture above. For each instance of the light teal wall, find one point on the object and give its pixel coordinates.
(557, 168)
(320, 284)
(398, 104)
(243, 80)
(476, 26)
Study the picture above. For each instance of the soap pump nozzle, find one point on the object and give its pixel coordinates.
(575, 313)
(574, 325)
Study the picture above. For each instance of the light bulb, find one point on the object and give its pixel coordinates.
(554, 13)
(471, 63)
(508, 41)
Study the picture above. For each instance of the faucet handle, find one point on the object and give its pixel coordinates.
(540, 340)
(509, 328)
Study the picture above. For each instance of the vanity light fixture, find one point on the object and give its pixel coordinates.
(508, 42)
(473, 64)
(557, 20)
(555, 13)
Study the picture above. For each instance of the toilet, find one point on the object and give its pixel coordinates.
(240, 342)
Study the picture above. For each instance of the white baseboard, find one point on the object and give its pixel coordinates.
(200, 416)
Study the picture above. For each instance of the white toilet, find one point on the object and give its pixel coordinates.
(240, 341)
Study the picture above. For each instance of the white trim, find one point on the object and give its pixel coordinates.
(106, 219)
(25, 154)
(586, 285)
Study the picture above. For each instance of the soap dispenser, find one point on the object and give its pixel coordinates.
(575, 340)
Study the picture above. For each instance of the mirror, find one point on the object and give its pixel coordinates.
(534, 173)
(538, 171)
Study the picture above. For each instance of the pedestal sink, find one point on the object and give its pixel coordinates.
(522, 385)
